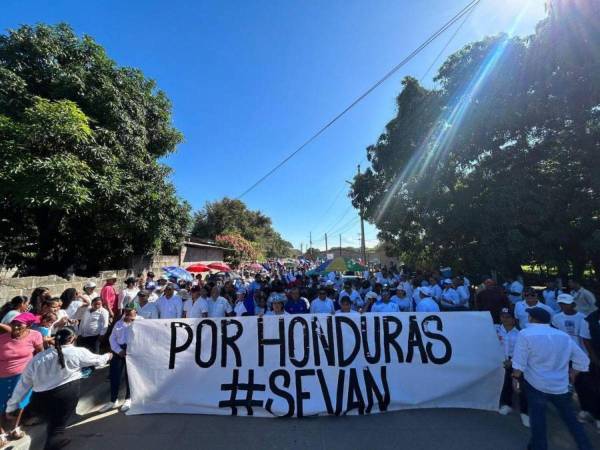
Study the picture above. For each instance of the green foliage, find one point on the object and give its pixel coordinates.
(244, 250)
(230, 216)
(80, 180)
(498, 166)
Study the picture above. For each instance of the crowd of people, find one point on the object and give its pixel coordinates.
(48, 343)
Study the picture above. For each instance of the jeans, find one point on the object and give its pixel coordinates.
(117, 367)
(55, 407)
(537, 415)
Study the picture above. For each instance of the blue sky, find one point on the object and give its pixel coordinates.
(251, 80)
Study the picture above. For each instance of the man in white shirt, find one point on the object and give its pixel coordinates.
(531, 301)
(144, 308)
(218, 306)
(346, 307)
(401, 298)
(542, 356)
(436, 290)
(322, 304)
(427, 303)
(170, 306)
(355, 298)
(119, 338)
(514, 289)
(197, 306)
(385, 305)
(551, 294)
(93, 323)
(449, 300)
(508, 334)
(463, 291)
(584, 299)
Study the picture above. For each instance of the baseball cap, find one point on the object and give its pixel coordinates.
(426, 291)
(505, 312)
(447, 281)
(371, 295)
(539, 314)
(89, 285)
(567, 299)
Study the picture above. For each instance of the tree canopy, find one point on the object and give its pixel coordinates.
(232, 217)
(81, 184)
(497, 166)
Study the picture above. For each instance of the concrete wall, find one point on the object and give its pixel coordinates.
(193, 255)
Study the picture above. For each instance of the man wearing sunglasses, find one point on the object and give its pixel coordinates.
(531, 300)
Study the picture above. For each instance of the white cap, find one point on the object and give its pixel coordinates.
(567, 299)
(447, 281)
(426, 291)
(329, 283)
(371, 295)
(89, 285)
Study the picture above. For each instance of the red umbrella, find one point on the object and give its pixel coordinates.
(197, 268)
(256, 267)
(221, 267)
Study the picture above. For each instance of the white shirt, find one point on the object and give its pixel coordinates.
(427, 304)
(73, 308)
(240, 308)
(436, 291)
(522, 315)
(127, 296)
(319, 306)
(196, 309)
(550, 298)
(574, 325)
(219, 307)
(543, 354)
(508, 339)
(352, 312)
(382, 307)
(450, 297)
(170, 308)
(463, 294)
(120, 335)
(404, 303)
(92, 322)
(355, 298)
(44, 373)
(148, 311)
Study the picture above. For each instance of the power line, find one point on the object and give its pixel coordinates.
(391, 72)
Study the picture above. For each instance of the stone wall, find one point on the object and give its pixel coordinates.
(11, 287)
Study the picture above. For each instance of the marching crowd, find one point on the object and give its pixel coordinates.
(550, 339)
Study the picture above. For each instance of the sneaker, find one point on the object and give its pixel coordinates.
(584, 416)
(108, 406)
(525, 420)
(126, 405)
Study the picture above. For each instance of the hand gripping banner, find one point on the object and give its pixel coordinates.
(305, 365)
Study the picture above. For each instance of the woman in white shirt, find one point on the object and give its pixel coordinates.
(128, 294)
(54, 376)
(93, 323)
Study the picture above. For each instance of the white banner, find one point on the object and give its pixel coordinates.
(303, 365)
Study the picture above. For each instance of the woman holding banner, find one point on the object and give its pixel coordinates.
(54, 376)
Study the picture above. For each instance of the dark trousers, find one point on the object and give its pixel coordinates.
(506, 397)
(537, 415)
(55, 407)
(117, 367)
(92, 343)
(587, 386)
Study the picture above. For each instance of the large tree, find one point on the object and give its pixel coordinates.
(81, 184)
(498, 166)
(230, 216)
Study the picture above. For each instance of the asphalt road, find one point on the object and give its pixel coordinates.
(421, 429)
(446, 429)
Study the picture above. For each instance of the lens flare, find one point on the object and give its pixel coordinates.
(438, 142)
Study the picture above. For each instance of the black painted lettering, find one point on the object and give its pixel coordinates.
(305, 342)
(300, 394)
(355, 398)
(436, 337)
(372, 358)
(174, 349)
(342, 343)
(415, 340)
(289, 398)
(213, 343)
(262, 342)
(389, 338)
(383, 399)
(229, 341)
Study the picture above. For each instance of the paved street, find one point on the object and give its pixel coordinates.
(417, 429)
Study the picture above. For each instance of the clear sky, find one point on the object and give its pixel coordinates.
(251, 80)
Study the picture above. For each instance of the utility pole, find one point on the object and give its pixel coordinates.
(310, 240)
(301, 248)
(363, 248)
(326, 248)
(340, 244)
